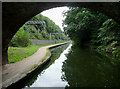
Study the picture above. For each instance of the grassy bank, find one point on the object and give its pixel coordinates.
(16, 54)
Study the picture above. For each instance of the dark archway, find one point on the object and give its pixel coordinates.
(15, 14)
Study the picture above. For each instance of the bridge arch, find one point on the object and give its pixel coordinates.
(15, 14)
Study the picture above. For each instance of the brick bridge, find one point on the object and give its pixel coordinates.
(15, 14)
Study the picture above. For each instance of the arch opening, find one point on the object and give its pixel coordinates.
(39, 30)
(10, 14)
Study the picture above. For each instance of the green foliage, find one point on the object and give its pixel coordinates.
(27, 32)
(92, 29)
(42, 31)
(109, 32)
(21, 38)
(45, 34)
(114, 43)
(37, 35)
(82, 24)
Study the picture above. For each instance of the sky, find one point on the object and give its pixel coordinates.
(55, 14)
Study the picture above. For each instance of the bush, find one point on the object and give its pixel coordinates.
(45, 34)
(21, 38)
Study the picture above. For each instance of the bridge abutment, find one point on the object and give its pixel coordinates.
(4, 57)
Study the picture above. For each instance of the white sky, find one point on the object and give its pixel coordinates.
(55, 14)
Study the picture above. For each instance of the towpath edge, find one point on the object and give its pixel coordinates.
(13, 72)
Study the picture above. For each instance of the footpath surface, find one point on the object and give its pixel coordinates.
(11, 73)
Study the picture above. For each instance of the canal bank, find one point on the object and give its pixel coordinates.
(70, 66)
(16, 71)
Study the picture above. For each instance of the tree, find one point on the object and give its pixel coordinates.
(21, 38)
(92, 29)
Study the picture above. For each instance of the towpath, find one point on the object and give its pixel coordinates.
(11, 73)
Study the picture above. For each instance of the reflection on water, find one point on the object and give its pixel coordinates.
(50, 75)
(85, 68)
(71, 66)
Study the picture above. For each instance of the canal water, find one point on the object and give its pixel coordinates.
(71, 66)
(51, 75)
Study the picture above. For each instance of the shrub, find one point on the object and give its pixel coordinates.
(21, 38)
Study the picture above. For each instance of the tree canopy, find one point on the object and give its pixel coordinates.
(92, 29)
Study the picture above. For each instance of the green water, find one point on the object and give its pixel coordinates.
(71, 66)
(86, 68)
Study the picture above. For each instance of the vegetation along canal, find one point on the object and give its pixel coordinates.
(71, 66)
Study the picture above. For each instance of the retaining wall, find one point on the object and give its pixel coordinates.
(42, 42)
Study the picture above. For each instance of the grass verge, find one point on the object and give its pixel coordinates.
(16, 54)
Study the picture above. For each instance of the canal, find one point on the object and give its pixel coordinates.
(71, 66)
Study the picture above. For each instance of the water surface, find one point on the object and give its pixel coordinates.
(71, 66)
